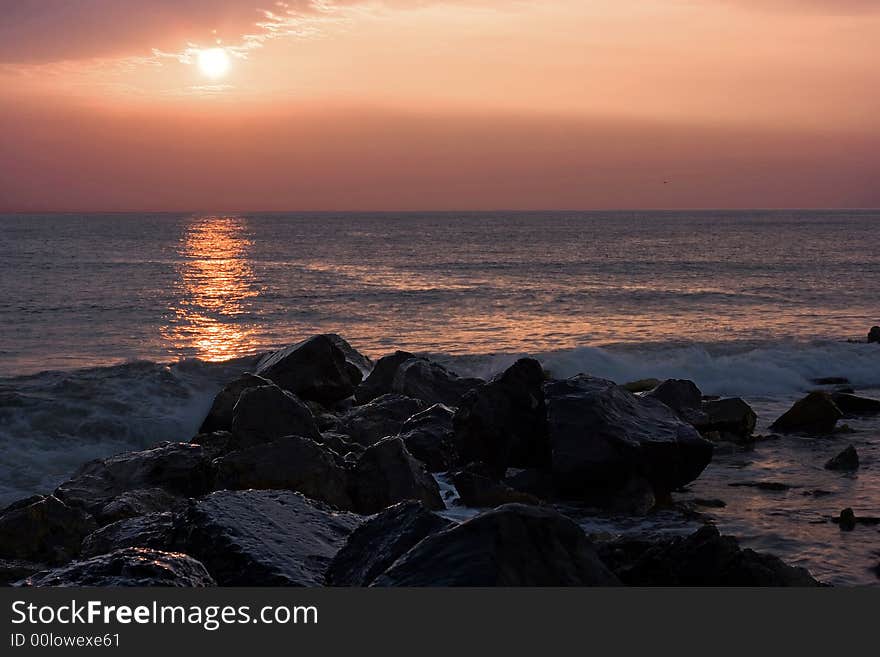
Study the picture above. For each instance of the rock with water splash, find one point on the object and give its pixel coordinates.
(267, 413)
(154, 530)
(428, 436)
(380, 418)
(816, 414)
(42, 528)
(220, 415)
(127, 567)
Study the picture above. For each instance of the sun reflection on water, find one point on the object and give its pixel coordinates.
(210, 318)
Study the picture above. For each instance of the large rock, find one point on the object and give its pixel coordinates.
(378, 419)
(290, 463)
(848, 459)
(874, 334)
(732, 418)
(386, 474)
(178, 468)
(815, 414)
(704, 558)
(380, 541)
(852, 405)
(315, 369)
(219, 417)
(513, 545)
(381, 377)
(43, 528)
(268, 412)
(139, 502)
(264, 538)
(352, 355)
(429, 437)
(127, 567)
(503, 423)
(431, 382)
(154, 531)
(605, 439)
(683, 397)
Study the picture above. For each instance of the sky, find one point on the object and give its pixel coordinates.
(108, 105)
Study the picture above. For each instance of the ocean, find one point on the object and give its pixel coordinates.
(116, 330)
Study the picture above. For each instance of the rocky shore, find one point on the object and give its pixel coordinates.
(321, 467)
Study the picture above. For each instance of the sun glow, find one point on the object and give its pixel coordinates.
(214, 62)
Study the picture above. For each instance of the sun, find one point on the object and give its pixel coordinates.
(214, 62)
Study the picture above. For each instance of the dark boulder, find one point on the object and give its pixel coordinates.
(380, 541)
(431, 382)
(815, 414)
(127, 567)
(846, 520)
(705, 558)
(732, 418)
(386, 474)
(341, 444)
(363, 364)
(139, 502)
(480, 490)
(683, 397)
(268, 412)
(43, 528)
(315, 369)
(513, 545)
(850, 404)
(603, 438)
(263, 538)
(428, 436)
(289, 463)
(503, 423)
(848, 459)
(381, 377)
(150, 531)
(219, 418)
(182, 469)
(378, 419)
(874, 334)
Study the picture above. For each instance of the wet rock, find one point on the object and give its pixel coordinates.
(315, 369)
(705, 558)
(150, 531)
(139, 502)
(374, 546)
(216, 443)
(847, 520)
(263, 538)
(352, 355)
(732, 418)
(12, 570)
(382, 417)
(603, 437)
(268, 412)
(290, 463)
(642, 385)
(874, 334)
(513, 545)
(683, 397)
(848, 459)
(219, 418)
(127, 567)
(341, 444)
(428, 436)
(503, 423)
(431, 382)
(852, 405)
(379, 381)
(386, 474)
(815, 414)
(481, 491)
(178, 468)
(43, 528)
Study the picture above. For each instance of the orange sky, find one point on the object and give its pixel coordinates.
(431, 104)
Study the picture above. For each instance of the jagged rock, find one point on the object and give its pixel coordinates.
(263, 538)
(513, 545)
(378, 419)
(683, 397)
(705, 558)
(268, 412)
(127, 567)
(850, 404)
(732, 418)
(815, 414)
(380, 541)
(848, 459)
(642, 385)
(219, 418)
(139, 502)
(603, 438)
(152, 531)
(352, 355)
(315, 369)
(379, 381)
(481, 491)
(386, 474)
(178, 468)
(503, 423)
(874, 334)
(428, 436)
(341, 444)
(12, 570)
(431, 382)
(43, 528)
(289, 463)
